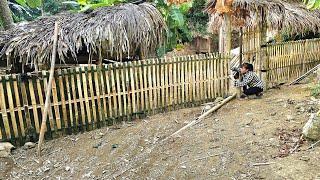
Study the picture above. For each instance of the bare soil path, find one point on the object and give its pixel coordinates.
(233, 143)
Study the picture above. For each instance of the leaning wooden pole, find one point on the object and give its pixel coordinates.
(48, 90)
(200, 118)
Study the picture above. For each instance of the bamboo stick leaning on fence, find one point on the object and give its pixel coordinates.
(48, 91)
(305, 75)
(200, 118)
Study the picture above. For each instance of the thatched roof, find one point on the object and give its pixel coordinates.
(290, 16)
(115, 32)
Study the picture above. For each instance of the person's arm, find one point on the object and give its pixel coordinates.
(246, 80)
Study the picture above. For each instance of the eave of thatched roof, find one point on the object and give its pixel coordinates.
(287, 15)
(114, 32)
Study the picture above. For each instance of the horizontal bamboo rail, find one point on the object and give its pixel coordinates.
(85, 98)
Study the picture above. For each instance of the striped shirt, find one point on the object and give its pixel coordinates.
(250, 79)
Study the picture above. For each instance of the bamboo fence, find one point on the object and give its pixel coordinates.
(289, 60)
(85, 98)
(89, 97)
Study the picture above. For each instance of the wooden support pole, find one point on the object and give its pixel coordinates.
(262, 55)
(240, 57)
(225, 34)
(48, 91)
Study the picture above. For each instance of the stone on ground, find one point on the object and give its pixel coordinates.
(29, 145)
(312, 128)
(5, 149)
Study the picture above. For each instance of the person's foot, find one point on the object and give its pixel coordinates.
(259, 95)
(243, 96)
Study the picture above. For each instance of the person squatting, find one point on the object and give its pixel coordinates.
(251, 83)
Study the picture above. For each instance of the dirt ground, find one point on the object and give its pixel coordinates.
(229, 144)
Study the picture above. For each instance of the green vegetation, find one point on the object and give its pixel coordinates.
(197, 19)
(312, 4)
(24, 10)
(315, 90)
(176, 19)
(84, 5)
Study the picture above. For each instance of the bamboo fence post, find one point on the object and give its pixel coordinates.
(48, 93)
(304, 70)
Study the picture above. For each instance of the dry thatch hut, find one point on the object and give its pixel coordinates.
(286, 15)
(115, 33)
(254, 17)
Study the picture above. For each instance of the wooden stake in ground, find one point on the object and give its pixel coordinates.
(48, 91)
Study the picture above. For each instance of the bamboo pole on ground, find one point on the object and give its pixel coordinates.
(48, 91)
(200, 118)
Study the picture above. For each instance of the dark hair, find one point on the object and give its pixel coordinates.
(247, 66)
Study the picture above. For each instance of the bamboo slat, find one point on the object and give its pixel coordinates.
(114, 92)
(45, 84)
(34, 106)
(73, 80)
(93, 89)
(110, 89)
(79, 87)
(174, 82)
(84, 80)
(3, 109)
(154, 85)
(25, 105)
(170, 84)
(103, 86)
(18, 105)
(40, 97)
(136, 83)
(158, 83)
(163, 84)
(166, 85)
(127, 91)
(142, 97)
(132, 76)
(97, 83)
(179, 83)
(122, 83)
(55, 104)
(69, 97)
(62, 99)
(184, 77)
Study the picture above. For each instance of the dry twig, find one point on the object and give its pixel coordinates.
(313, 145)
(262, 164)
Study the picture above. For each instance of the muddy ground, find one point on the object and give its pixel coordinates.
(230, 144)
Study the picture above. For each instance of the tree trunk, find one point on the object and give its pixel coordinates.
(5, 15)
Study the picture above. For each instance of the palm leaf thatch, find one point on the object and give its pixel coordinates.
(289, 16)
(109, 32)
